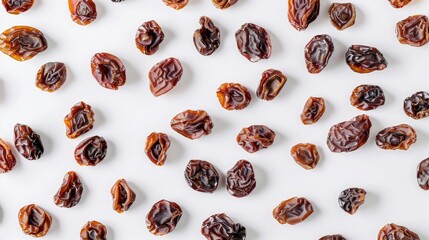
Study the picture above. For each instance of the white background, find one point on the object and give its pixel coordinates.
(125, 117)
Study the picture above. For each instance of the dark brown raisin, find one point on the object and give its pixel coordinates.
(417, 106)
(34, 221)
(22, 42)
(342, 15)
(202, 176)
(303, 12)
(51, 76)
(164, 76)
(255, 138)
(397, 137)
(271, 84)
(27, 142)
(364, 59)
(93, 230)
(396, 232)
(413, 30)
(108, 70)
(293, 211)
(367, 97)
(233, 96)
(156, 148)
(70, 191)
(91, 151)
(351, 199)
(192, 124)
(306, 155)
(123, 196)
(318, 52)
(79, 121)
(240, 179)
(83, 12)
(313, 110)
(207, 38)
(7, 159)
(163, 217)
(220, 226)
(17, 6)
(148, 37)
(253, 42)
(423, 174)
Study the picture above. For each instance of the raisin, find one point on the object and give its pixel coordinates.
(163, 217)
(70, 191)
(51, 76)
(192, 124)
(417, 106)
(79, 121)
(399, 3)
(93, 230)
(233, 96)
(367, 97)
(255, 138)
(271, 84)
(156, 148)
(108, 70)
(22, 42)
(34, 221)
(333, 237)
(224, 4)
(116, 1)
(91, 151)
(293, 211)
(123, 196)
(342, 15)
(397, 137)
(148, 37)
(176, 4)
(201, 176)
(7, 159)
(83, 12)
(413, 30)
(351, 199)
(306, 155)
(350, 135)
(364, 59)
(207, 38)
(313, 110)
(220, 226)
(423, 174)
(27, 142)
(318, 52)
(253, 42)
(303, 12)
(164, 76)
(240, 179)
(17, 6)
(396, 232)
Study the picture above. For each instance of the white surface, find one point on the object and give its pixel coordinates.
(125, 117)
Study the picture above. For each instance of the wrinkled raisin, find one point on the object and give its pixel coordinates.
(17, 6)
(34, 221)
(163, 217)
(413, 30)
(253, 42)
(83, 12)
(192, 124)
(207, 38)
(397, 137)
(164, 76)
(342, 15)
(108, 70)
(70, 191)
(306, 155)
(91, 151)
(123, 196)
(79, 121)
(365, 59)
(417, 105)
(51, 76)
(22, 42)
(367, 97)
(156, 148)
(423, 174)
(202, 176)
(148, 37)
(271, 84)
(233, 96)
(176, 4)
(220, 226)
(303, 12)
(240, 179)
(313, 110)
(255, 138)
(351, 199)
(7, 159)
(93, 230)
(318, 52)
(224, 4)
(396, 232)
(293, 211)
(27, 142)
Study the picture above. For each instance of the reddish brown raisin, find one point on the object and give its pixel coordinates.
(224, 4)
(123, 196)
(396, 232)
(417, 105)
(17, 6)
(176, 4)
(318, 52)
(399, 3)
(22, 42)
(27, 142)
(240, 179)
(220, 227)
(423, 174)
(163, 217)
(34, 221)
(233, 96)
(207, 38)
(293, 211)
(108, 70)
(192, 124)
(202, 176)
(306, 155)
(303, 12)
(51, 76)
(397, 137)
(413, 30)
(313, 110)
(271, 84)
(93, 230)
(91, 151)
(367, 97)
(156, 148)
(148, 37)
(351, 199)
(70, 191)
(83, 12)
(79, 121)
(253, 42)
(7, 159)
(164, 76)
(364, 59)
(255, 138)
(342, 15)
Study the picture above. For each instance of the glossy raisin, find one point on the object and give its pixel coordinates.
(123, 196)
(399, 137)
(255, 138)
(27, 142)
(164, 76)
(51, 76)
(413, 30)
(367, 97)
(396, 232)
(318, 52)
(207, 38)
(176, 4)
(202, 176)
(70, 192)
(163, 217)
(342, 15)
(240, 179)
(399, 3)
(79, 121)
(306, 155)
(293, 211)
(93, 230)
(417, 105)
(91, 151)
(333, 237)
(313, 110)
(253, 42)
(272, 82)
(233, 96)
(220, 226)
(108, 70)
(423, 174)
(364, 59)
(224, 4)
(7, 159)
(34, 221)
(303, 12)
(192, 124)
(17, 6)
(148, 37)
(83, 12)
(22, 42)
(351, 199)
(156, 148)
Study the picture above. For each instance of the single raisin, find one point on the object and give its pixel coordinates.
(351, 199)
(17, 6)
(318, 52)
(192, 124)
(79, 121)
(364, 59)
(240, 179)
(70, 191)
(7, 159)
(255, 138)
(253, 42)
(350, 135)
(333, 237)
(156, 148)
(22, 42)
(148, 37)
(233, 96)
(342, 15)
(303, 12)
(93, 230)
(224, 4)
(176, 4)
(272, 82)
(163, 217)
(313, 110)
(396, 232)
(34, 221)
(399, 3)
(27, 142)
(91, 151)
(108, 70)
(417, 106)
(51, 76)
(397, 137)
(306, 155)
(423, 174)
(367, 97)
(202, 176)
(293, 211)
(220, 226)
(123, 196)
(83, 12)
(413, 30)
(164, 76)
(207, 38)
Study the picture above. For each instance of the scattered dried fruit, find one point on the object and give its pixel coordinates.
(293, 211)
(83, 12)
(417, 106)
(108, 70)
(413, 30)
(207, 38)
(364, 59)
(17, 6)
(123, 196)
(202, 176)
(93, 230)
(148, 37)
(224, 4)
(367, 97)
(34, 221)
(79, 121)
(164, 76)
(233, 96)
(51, 76)
(7, 159)
(163, 217)
(27, 142)
(22, 42)
(91, 151)
(192, 124)
(342, 15)
(351, 199)
(255, 138)
(396, 232)
(399, 137)
(313, 110)
(318, 52)
(306, 155)
(176, 4)
(70, 191)
(220, 226)
(253, 42)
(240, 179)
(399, 3)
(271, 84)
(423, 174)
(303, 12)
(156, 148)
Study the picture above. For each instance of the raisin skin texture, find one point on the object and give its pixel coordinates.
(318, 52)
(176, 4)
(34, 221)
(220, 226)
(272, 82)
(51, 76)
(303, 12)
(351, 199)
(123, 196)
(83, 12)
(306, 155)
(423, 174)
(163, 217)
(253, 42)
(22, 42)
(417, 105)
(350, 135)
(413, 30)
(333, 237)
(367, 97)
(93, 230)
(233, 96)
(223, 4)
(192, 124)
(148, 37)
(240, 179)
(70, 191)
(108, 70)
(313, 110)
(293, 211)
(157, 145)
(27, 142)
(399, 137)
(79, 121)
(17, 6)
(7, 159)
(207, 38)
(202, 176)
(255, 137)
(91, 151)
(399, 3)
(396, 232)
(342, 15)
(164, 76)
(365, 59)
